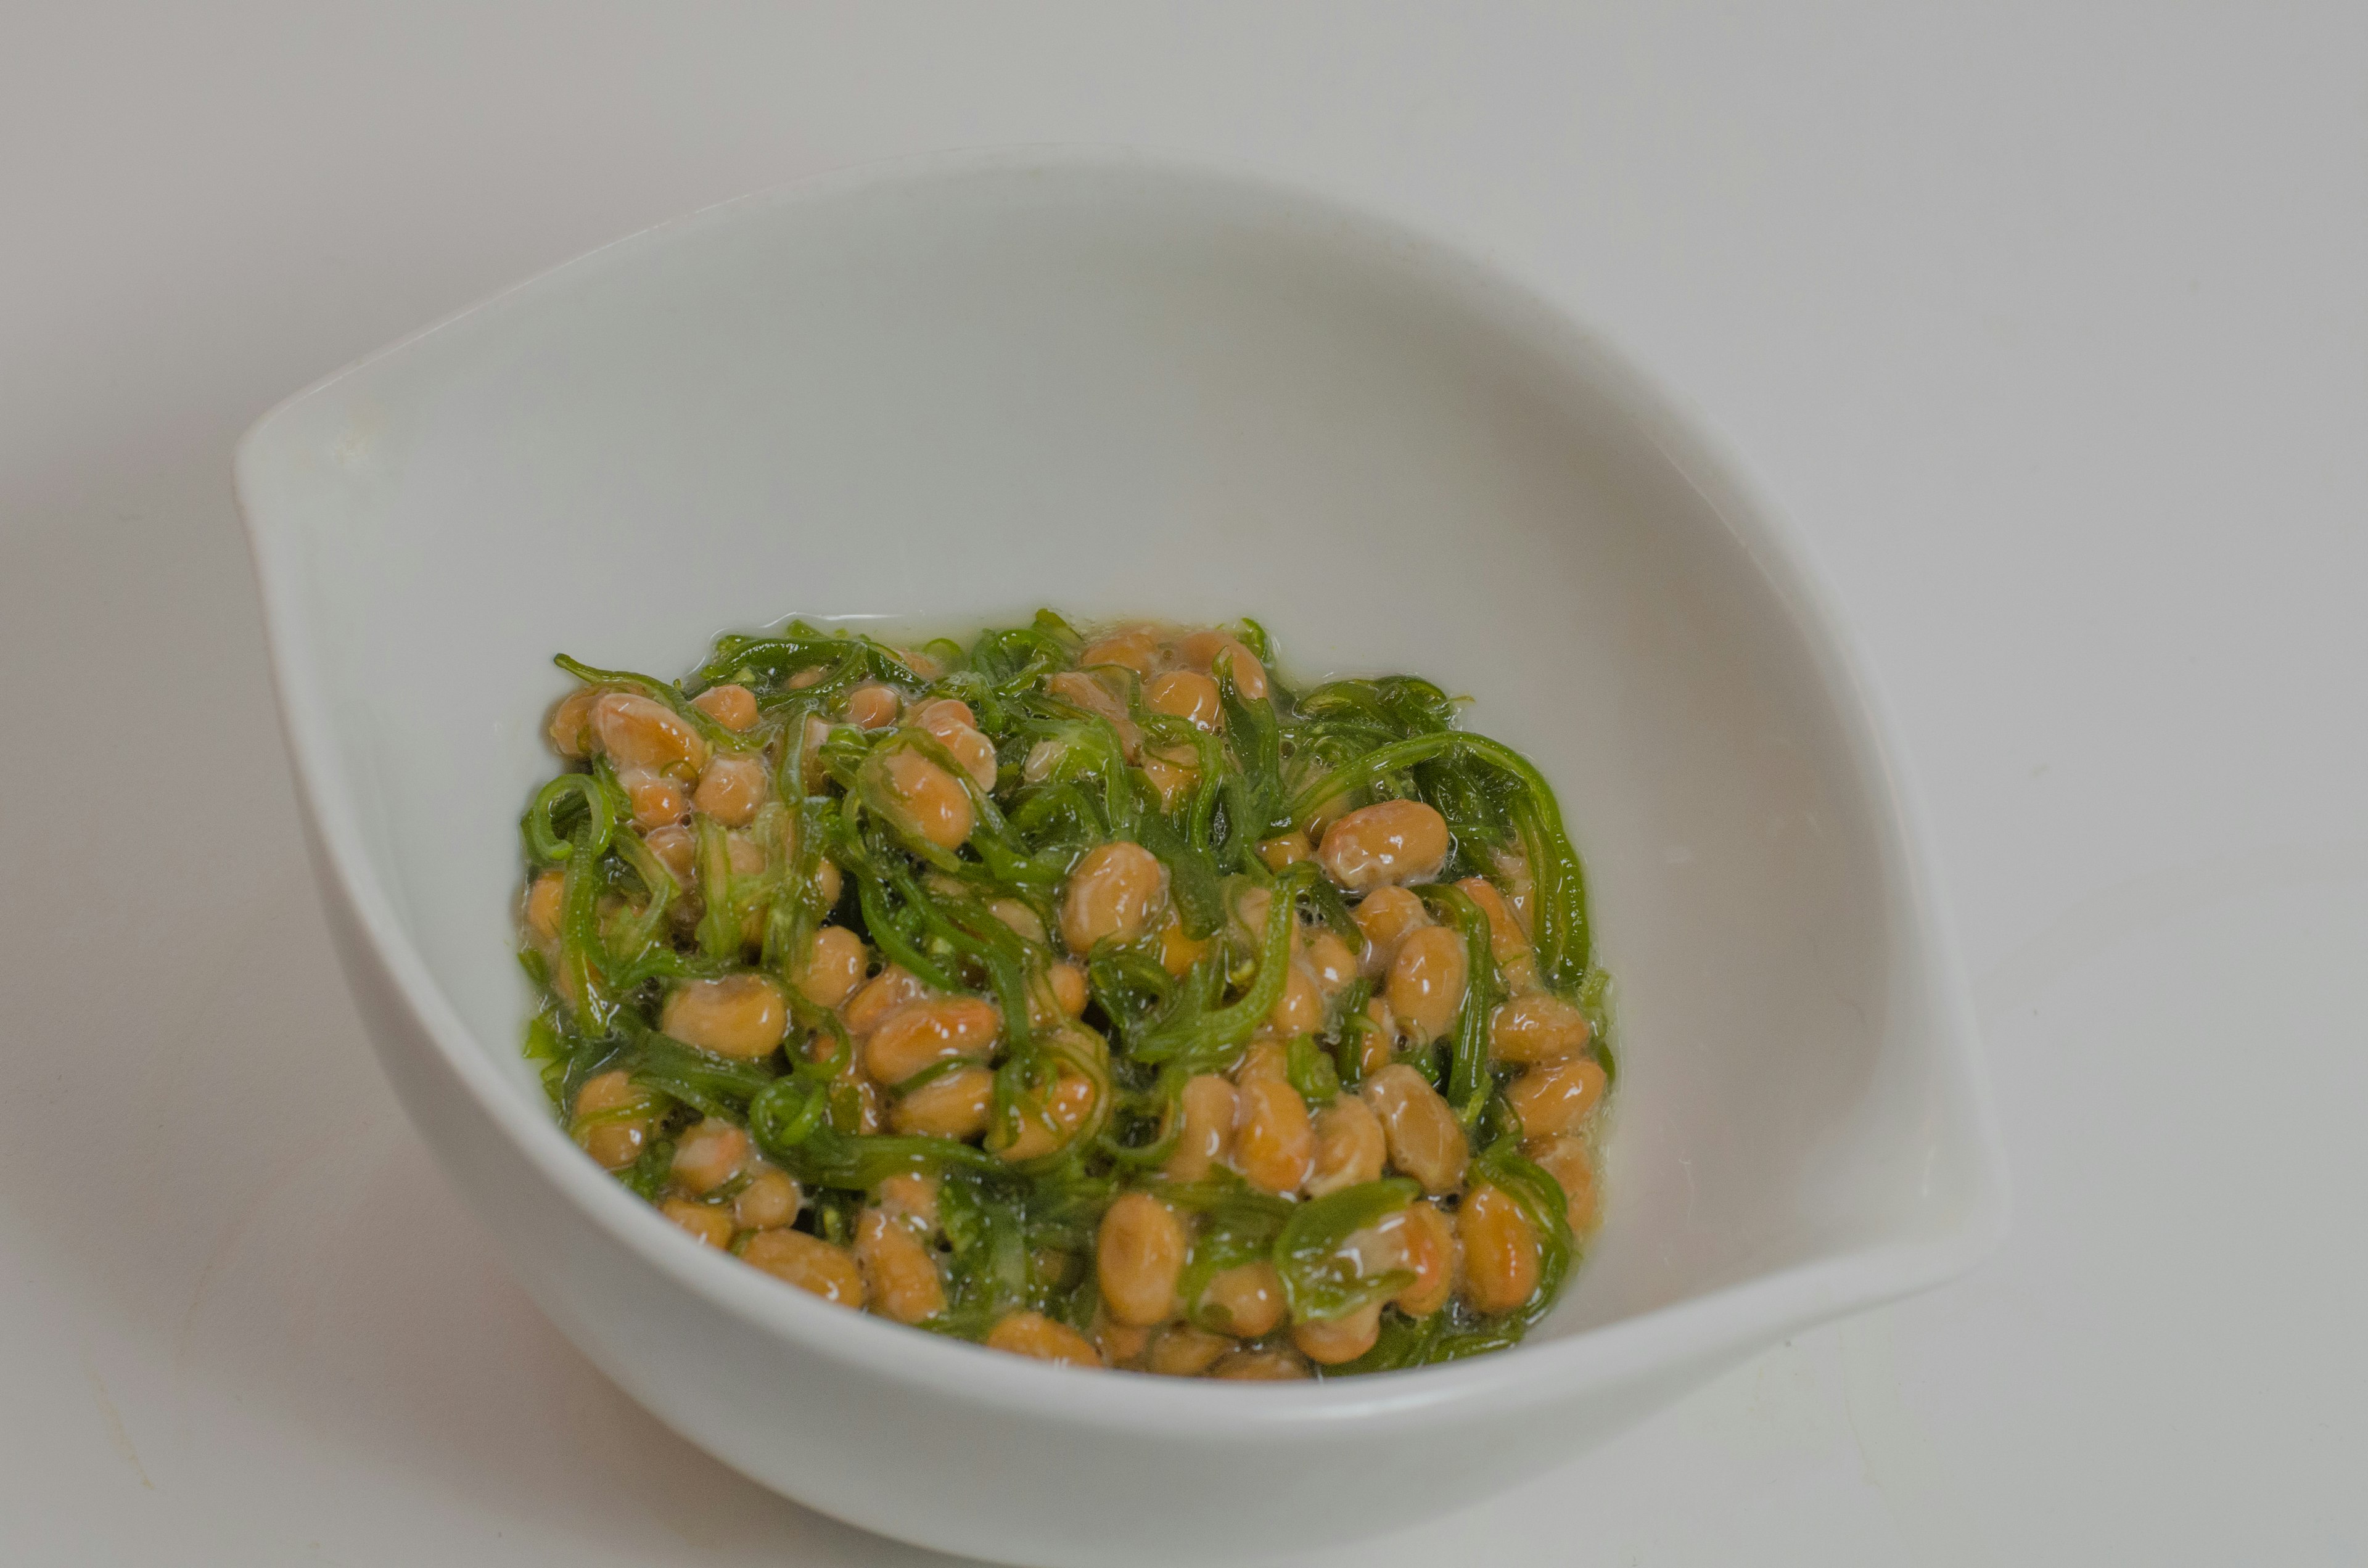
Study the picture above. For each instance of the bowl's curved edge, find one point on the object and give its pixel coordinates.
(1754, 1312)
(1727, 483)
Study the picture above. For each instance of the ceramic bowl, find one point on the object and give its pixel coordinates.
(954, 390)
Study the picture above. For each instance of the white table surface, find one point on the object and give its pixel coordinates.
(2049, 322)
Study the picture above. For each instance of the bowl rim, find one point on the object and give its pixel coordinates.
(1733, 1319)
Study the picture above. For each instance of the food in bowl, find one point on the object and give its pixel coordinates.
(1090, 995)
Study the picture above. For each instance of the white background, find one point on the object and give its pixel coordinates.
(2049, 322)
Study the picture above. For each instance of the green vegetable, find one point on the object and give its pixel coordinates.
(1086, 1106)
(1468, 1082)
(1238, 1225)
(1321, 1279)
(1204, 1038)
(1533, 816)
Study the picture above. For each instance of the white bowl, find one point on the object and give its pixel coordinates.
(959, 389)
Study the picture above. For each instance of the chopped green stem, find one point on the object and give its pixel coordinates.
(1207, 1036)
(1321, 1276)
(1468, 1082)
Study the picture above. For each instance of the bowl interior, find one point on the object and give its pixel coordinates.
(1115, 389)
